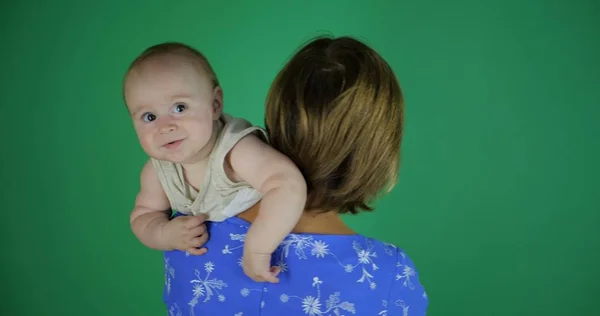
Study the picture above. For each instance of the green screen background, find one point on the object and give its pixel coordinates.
(498, 201)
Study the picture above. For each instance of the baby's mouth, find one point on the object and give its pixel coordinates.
(173, 144)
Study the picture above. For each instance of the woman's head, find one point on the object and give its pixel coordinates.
(336, 109)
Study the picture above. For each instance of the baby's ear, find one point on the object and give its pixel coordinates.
(217, 103)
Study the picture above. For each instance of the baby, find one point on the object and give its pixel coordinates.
(204, 163)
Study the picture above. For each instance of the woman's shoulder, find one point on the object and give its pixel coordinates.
(350, 252)
(321, 275)
(351, 273)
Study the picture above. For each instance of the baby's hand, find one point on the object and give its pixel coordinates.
(258, 267)
(186, 233)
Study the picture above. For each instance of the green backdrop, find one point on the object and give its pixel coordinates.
(498, 202)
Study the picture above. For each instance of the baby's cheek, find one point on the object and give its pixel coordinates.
(147, 143)
(201, 129)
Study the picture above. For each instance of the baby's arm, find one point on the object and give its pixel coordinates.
(283, 189)
(150, 219)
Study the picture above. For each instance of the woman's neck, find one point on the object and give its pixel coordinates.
(329, 223)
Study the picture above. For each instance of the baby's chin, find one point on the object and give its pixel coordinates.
(177, 158)
(170, 158)
(181, 155)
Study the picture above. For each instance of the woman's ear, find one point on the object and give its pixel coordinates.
(217, 103)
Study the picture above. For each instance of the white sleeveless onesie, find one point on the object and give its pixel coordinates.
(218, 197)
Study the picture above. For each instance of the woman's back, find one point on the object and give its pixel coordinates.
(353, 275)
(336, 110)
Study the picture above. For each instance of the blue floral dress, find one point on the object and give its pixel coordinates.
(321, 275)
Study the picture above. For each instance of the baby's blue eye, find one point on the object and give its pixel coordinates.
(148, 117)
(180, 108)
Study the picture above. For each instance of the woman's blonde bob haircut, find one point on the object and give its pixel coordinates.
(336, 109)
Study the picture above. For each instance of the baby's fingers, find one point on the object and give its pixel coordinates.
(271, 276)
(196, 251)
(198, 231)
(198, 241)
(275, 270)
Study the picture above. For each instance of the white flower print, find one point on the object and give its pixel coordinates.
(284, 298)
(234, 237)
(384, 311)
(238, 237)
(169, 275)
(206, 287)
(245, 292)
(389, 248)
(406, 274)
(312, 306)
(403, 306)
(365, 258)
(319, 249)
(316, 281)
(299, 243)
(349, 268)
(397, 303)
(209, 267)
(174, 310)
(227, 250)
(365, 276)
(282, 265)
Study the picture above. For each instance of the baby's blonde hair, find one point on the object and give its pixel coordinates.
(175, 49)
(336, 109)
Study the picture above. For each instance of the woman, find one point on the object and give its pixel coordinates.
(336, 110)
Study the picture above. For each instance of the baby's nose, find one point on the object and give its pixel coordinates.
(168, 127)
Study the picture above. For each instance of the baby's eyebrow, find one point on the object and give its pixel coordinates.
(137, 111)
(180, 97)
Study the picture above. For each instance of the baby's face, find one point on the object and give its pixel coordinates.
(173, 108)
